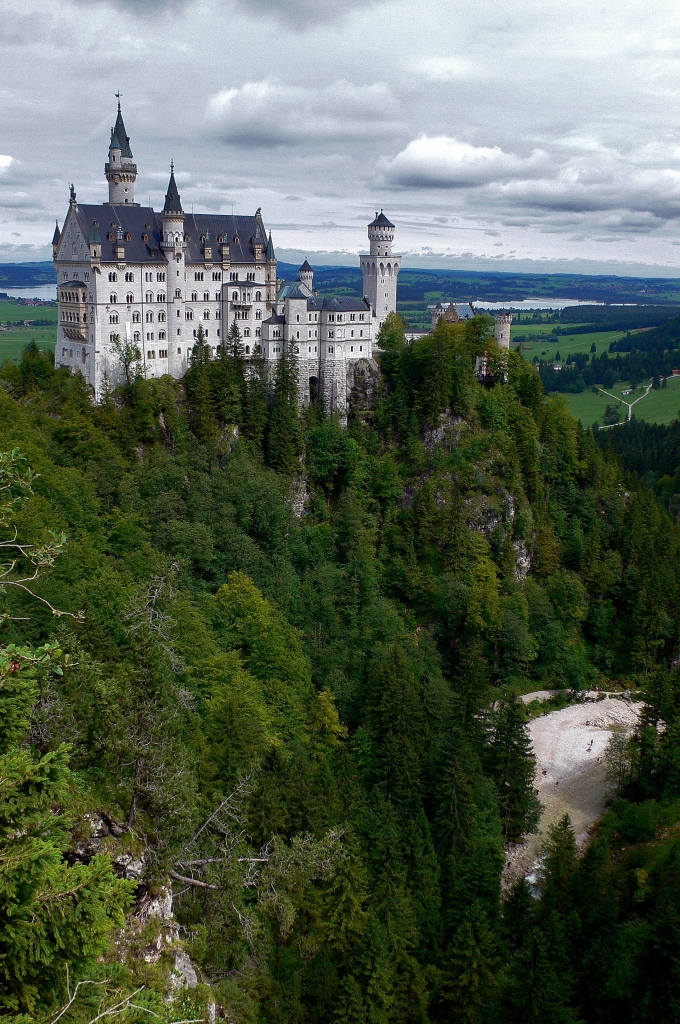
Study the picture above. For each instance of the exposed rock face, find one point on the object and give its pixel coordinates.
(446, 431)
(300, 498)
(363, 379)
(522, 560)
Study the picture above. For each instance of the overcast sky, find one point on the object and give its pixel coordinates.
(494, 134)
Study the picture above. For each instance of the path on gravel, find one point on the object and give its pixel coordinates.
(574, 780)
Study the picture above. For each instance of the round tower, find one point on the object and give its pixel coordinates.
(501, 331)
(380, 269)
(380, 235)
(120, 169)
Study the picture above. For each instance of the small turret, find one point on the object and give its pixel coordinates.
(306, 277)
(120, 169)
(272, 286)
(55, 238)
(95, 242)
(501, 330)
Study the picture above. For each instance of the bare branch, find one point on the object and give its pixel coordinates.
(192, 881)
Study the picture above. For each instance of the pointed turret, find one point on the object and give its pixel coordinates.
(120, 169)
(95, 241)
(306, 277)
(173, 203)
(55, 237)
(271, 255)
(173, 216)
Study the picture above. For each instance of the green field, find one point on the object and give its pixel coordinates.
(12, 342)
(565, 344)
(658, 407)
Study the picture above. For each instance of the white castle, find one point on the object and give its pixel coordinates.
(126, 274)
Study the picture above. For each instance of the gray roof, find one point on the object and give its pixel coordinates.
(57, 234)
(119, 137)
(381, 221)
(95, 237)
(275, 320)
(271, 255)
(335, 304)
(141, 221)
(305, 268)
(292, 290)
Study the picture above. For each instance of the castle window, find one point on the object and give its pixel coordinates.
(112, 337)
(145, 238)
(247, 350)
(129, 277)
(258, 296)
(206, 296)
(297, 335)
(246, 333)
(178, 293)
(87, 278)
(218, 297)
(161, 317)
(194, 296)
(298, 320)
(361, 348)
(258, 314)
(112, 299)
(149, 336)
(331, 318)
(234, 296)
(258, 334)
(218, 314)
(149, 296)
(149, 316)
(361, 334)
(160, 297)
(361, 316)
(206, 314)
(111, 236)
(161, 335)
(136, 336)
(218, 332)
(234, 276)
(251, 277)
(198, 275)
(351, 348)
(129, 298)
(189, 314)
(179, 351)
(113, 277)
(297, 351)
(352, 316)
(128, 237)
(351, 334)
(113, 319)
(160, 276)
(136, 317)
(148, 277)
(217, 276)
(330, 334)
(150, 355)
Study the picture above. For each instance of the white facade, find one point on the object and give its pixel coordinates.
(501, 330)
(128, 274)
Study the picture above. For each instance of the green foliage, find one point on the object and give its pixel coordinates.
(307, 725)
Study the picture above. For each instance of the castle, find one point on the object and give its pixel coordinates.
(130, 278)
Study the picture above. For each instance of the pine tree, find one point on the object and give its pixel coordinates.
(512, 766)
(284, 441)
(468, 975)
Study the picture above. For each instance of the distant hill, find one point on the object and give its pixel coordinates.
(423, 286)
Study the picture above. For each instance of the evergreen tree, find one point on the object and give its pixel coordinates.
(468, 975)
(284, 436)
(512, 766)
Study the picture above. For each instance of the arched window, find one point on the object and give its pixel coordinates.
(149, 316)
(247, 350)
(160, 297)
(258, 314)
(218, 297)
(113, 277)
(161, 335)
(206, 314)
(129, 298)
(149, 296)
(206, 296)
(189, 314)
(234, 296)
(194, 296)
(258, 296)
(246, 333)
(136, 318)
(161, 317)
(112, 299)
(112, 337)
(129, 277)
(135, 336)
(113, 319)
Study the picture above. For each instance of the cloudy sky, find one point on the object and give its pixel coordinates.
(520, 135)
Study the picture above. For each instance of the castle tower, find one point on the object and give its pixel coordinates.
(380, 269)
(306, 277)
(270, 257)
(120, 169)
(173, 246)
(501, 331)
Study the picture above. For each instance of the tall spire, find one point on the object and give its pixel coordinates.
(121, 172)
(271, 255)
(173, 203)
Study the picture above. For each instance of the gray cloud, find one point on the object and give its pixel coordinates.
(272, 113)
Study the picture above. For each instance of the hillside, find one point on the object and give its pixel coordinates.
(259, 699)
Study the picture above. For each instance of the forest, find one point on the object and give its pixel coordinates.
(260, 736)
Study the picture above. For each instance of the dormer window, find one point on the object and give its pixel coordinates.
(128, 237)
(145, 238)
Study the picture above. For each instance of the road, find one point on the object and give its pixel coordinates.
(629, 404)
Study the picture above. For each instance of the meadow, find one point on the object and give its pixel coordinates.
(540, 342)
(660, 406)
